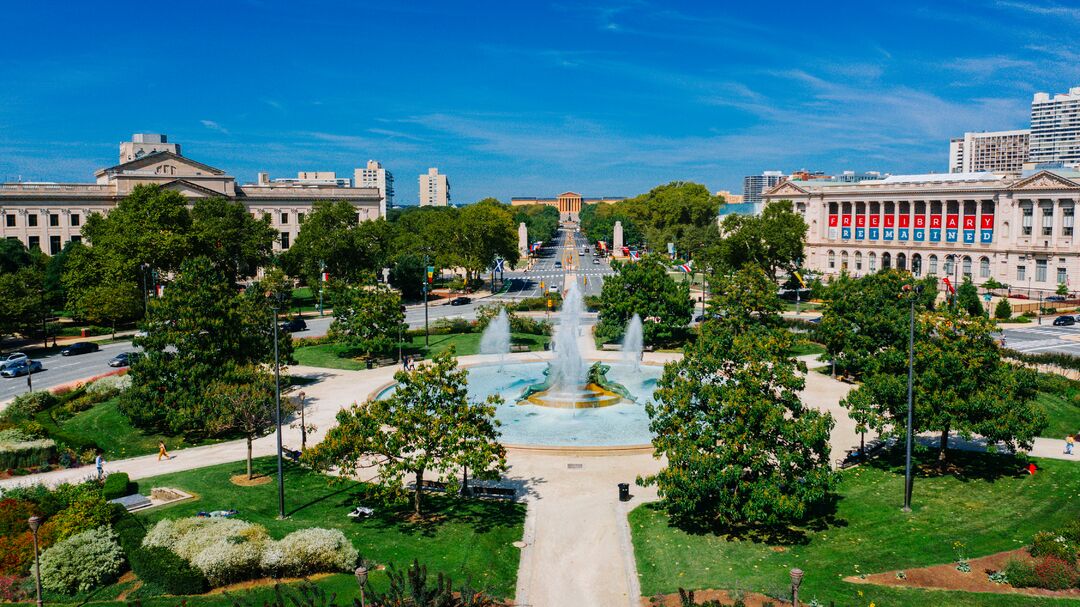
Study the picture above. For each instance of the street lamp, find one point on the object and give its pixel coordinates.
(303, 426)
(796, 581)
(361, 579)
(915, 292)
(34, 523)
(277, 400)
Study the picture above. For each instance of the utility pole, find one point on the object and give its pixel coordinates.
(910, 414)
(322, 272)
(44, 328)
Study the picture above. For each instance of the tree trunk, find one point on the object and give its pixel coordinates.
(465, 480)
(417, 492)
(113, 329)
(944, 444)
(249, 457)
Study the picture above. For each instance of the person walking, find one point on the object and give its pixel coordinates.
(162, 452)
(1069, 442)
(99, 461)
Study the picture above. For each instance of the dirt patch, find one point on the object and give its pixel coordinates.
(243, 481)
(267, 581)
(127, 591)
(946, 577)
(724, 596)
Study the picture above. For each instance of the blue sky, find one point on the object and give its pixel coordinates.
(515, 98)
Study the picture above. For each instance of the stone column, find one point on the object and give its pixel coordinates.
(523, 239)
(617, 240)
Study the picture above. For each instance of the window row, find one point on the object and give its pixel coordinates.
(55, 244)
(11, 221)
(949, 266)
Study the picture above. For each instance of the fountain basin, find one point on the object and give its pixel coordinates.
(589, 396)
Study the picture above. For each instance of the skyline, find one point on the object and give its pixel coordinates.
(599, 98)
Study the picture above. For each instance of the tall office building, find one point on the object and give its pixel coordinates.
(1055, 128)
(375, 176)
(994, 152)
(754, 185)
(434, 189)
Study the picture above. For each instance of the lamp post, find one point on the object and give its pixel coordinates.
(910, 376)
(361, 579)
(303, 426)
(796, 581)
(322, 283)
(277, 401)
(34, 522)
(427, 335)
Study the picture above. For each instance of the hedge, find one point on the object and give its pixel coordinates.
(118, 485)
(21, 451)
(158, 568)
(1057, 359)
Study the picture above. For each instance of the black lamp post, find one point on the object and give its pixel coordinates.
(361, 579)
(34, 523)
(277, 400)
(796, 581)
(915, 293)
(303, 426)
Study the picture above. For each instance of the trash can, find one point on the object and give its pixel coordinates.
(370, 364)
(82, 332)
(624, 492)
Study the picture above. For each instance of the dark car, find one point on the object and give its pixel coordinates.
(122, 359)
(21, 367)
(460, 301)
(82, 347)
(294, 325)
(558, 264)
(1064, 321)
(1056, 298)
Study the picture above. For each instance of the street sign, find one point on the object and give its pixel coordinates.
(986, 297)
(499, 264)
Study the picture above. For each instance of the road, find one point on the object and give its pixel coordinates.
(521, 283)
(1038, 339)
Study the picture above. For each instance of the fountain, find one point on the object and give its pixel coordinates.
(496, 337)
(633, 343)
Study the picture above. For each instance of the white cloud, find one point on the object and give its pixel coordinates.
(214, 126)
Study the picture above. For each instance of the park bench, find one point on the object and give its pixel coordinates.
(611, 347)
(292, 454)
(495, 492)
(428, 485)
(519, 347)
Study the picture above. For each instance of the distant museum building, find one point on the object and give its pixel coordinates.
(568, 203)
(1018, 230)
(49, 215)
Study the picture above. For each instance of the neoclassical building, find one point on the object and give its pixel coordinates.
(49, 215)
(1018, 230)
(568, 203)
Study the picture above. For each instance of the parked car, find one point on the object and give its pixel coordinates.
(82, 347)
(21, 367)
(1056, 298)
(1018, 296)
(596, 261)
(14, 356)
(294, 325)
(122, 359)
(558, 264)
(1065, 321)
(553, 289)
(460, 301)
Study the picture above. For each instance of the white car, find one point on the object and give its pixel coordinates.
(14, 357)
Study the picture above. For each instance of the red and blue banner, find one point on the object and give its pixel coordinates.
(969, 229)
(952, 227)
(860, 227)
(986, 235)
(919, 233)
(903, 230)
(845, 227)
(875, 227)
(935, 228)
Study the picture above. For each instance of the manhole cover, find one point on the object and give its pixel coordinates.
(575, 466)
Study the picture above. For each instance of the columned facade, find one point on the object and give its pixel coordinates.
(568, 203)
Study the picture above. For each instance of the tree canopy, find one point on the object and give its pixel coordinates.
(541, 220)
(679, 212)
(368, 318)
(773, 240)
(644, 288)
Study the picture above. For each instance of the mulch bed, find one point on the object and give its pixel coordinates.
(749, 598)
(946, 577)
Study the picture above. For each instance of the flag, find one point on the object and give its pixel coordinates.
(948, 285)
(430, 274)
(634, 255)
(325, 277)
(160, 290)
(800, 279)
(687, 267)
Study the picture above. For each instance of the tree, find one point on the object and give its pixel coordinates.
(326, 243)
(407, 274)
(1003, 309)
(644, 288)
(277, 286)
(1062, 289)
(150, 225)
(110, 302)
(424, 426)
(960, 384)
(369, 318)
(486, 231)
(20, 306)
(226, 232)
(772, 240)
(967, 297)
(541, 220)
(244, 401)
(741, 448)
(990, 284)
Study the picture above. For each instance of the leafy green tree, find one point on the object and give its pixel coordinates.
(150, 225)
(327, 242)
(644, 288)
(991, 284)
(541, 220)
(1003, 309)
(1063, 289)
(225, 231)
(407, 274)
(967, 297)
(598, 220)
(772, 240)
(960, 384)
(423, 427)
(368, 318)
(21, 303)
(277, 286)
(486, 231)
(741, 447)
(864, 318)
(243, 400)
(13, 256)
(112, 302)
(197, 332)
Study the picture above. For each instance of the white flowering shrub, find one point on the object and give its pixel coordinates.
(224, 550)
(82, 562)
(110, 385)
(230, 560)
(309, 551)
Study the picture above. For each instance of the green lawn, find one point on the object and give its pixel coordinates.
(111, 430)
(802, 348)
(803, 306)
(329, 355)
(1063, 415)
(990, 509)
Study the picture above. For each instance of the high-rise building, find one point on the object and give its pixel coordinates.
(754, 185)
(142, 144)
(434, 189)
(995, 152)
(375, 176)
(853, 177)
(1055, 128)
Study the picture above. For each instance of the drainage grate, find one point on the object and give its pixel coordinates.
(575, 466)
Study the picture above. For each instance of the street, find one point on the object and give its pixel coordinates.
(1037, 339)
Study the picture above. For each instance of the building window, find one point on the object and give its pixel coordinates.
(916, 264)
(1047, 221)
(54, 220)
(358, 218)
(984, 267)
(843, 260)
(31, 220)
(1063, 277)
(948, 265)
(34, 243)
(54, 245)
(284, 218)
(1067, 221)
(872, 262)
(76, 238)
(1040, 270)
(9, 220)
(284, 240)
(967, 266)
(886, 260)
(1021, 273)
(858, 261)
(1027, 220)
(299, 218)
(933, 264)
(832, 260)
(901, 261)
(75, 220)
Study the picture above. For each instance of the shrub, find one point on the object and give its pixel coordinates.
(159, 568)
(224, 550)
(1003, 309)
(1046, 543)
(16, 553)
(87, 509)
(14, 588)
(1021, 573)
(117, 485)
(112, 384)
(25, 405)
(18, 450)
(309, 551)
(1053, 573)
(1071, 530)
(14, 514)
(233, 560)
(82, 562)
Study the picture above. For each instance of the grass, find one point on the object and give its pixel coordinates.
(113, 432)
(988, 507)
(335, 356)
(803, 306)
(802, 348)
(1063, 416)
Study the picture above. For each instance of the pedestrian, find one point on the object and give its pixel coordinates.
(1069, 442)
(412, 364)
(162, 452)
(405, 363)
(99, 461)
